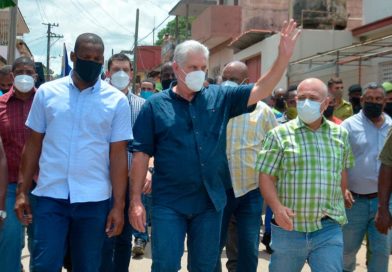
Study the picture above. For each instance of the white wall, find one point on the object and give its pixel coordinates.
(374, 10)
(309, 43)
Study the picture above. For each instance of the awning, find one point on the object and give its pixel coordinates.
(249, 38)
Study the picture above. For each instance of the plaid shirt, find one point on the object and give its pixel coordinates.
(308, 166)
(14, 133)
(245, 134)
(136, 103)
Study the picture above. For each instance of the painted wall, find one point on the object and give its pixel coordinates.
(374, 10)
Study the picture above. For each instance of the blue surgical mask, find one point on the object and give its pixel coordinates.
(308, 110)
(229, 83)
(146, 94)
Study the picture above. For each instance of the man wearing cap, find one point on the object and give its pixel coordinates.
(354, 96)
(388, 103)
(367, 133)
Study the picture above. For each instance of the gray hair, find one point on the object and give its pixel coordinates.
(191, 46)
(374, 86)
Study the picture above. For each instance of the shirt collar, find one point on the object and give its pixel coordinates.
(298, 123)
(11, 94)
(385, 123)
(95, 88)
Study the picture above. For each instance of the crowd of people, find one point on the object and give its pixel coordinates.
(86, 164)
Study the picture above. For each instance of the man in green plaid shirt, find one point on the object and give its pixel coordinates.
(303, 172)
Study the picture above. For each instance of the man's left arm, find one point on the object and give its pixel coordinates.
(264, 86)
(118, 175)
(3, 179)
(118, 156)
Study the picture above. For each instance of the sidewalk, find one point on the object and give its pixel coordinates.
(144, 264)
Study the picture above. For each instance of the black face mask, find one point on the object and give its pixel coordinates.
(372, 110)
(356, 103)
(328, 112)
(166, 83)
(280, 103)
(388, 109)
(87, 70)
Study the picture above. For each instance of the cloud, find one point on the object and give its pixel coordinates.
(113, 20)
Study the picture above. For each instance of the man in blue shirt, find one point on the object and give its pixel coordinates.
(184, 128)
(368, 130)
(80, 126)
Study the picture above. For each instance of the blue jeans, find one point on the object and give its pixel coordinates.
(360, 222)
(268, 218)
(247, 211)
(116, 251)
(147, 202)
(322, 249)
(169, 228)
(11, 235)
(84, 223)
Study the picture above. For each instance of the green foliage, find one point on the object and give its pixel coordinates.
(171, 29)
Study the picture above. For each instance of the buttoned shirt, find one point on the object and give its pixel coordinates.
(344, 110)
(79, 127)
(386, 152)
(308, 165)
(366, 141)
(188, 142)
(13, 115)
(245, 134)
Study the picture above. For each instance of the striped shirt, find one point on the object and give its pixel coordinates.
(245, 134)
(14, 133)
(308, 166)
(136, 103)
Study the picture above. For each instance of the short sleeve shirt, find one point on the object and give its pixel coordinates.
(308, 166)
(386, 152)
(79, 127)
(188, 142)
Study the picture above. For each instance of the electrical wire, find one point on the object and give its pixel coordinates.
(108, 14)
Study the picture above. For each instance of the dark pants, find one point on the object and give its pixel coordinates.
(116, 251)
(83, 223)
(247, 210)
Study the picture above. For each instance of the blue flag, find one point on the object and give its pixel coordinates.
(65, 68)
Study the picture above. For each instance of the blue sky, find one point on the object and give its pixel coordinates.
(113, 20)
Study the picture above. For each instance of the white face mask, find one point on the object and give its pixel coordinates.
(24, 83)
(194, 80)
(120, 80)
(308, 110)
(229, 83)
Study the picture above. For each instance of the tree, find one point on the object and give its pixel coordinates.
(171, 29)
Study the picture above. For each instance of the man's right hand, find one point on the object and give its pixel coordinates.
(22, 209)
(284, 218)
(383, 220)
(137, 216)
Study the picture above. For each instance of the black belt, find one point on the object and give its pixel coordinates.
(368, 196)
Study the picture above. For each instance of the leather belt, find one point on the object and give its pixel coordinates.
(368, 196)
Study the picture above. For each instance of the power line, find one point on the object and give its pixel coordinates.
(39, 10)
(108, 14)
(50, 34)
(153, 30)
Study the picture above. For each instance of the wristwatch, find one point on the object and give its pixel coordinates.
(3, 214)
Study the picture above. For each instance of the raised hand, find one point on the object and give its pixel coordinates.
(288, 38)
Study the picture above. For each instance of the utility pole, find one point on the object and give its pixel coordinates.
(135, 52)
(12, 33)
(50, 34)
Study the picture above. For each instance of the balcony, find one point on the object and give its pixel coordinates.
(21, 26)
(217, 24)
